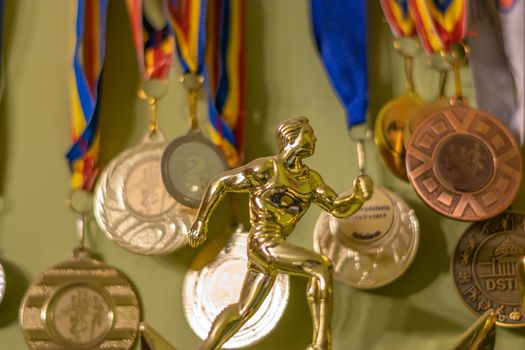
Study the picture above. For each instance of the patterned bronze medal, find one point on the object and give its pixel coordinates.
(484, 267)
(132, 206)
(464, 163)
(80, 304)
(391, 120)
(205, 295)
(374, 246)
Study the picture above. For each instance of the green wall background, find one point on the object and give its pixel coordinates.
(421, 310)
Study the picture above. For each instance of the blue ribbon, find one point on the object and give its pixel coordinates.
(340, 30)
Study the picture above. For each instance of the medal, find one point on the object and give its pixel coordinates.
(393, 117)
(462, 162)
(2, 283)
(191, 161)
(132, 206)
(80, 304)
(208, 291)
(374, 246)
(484, 267)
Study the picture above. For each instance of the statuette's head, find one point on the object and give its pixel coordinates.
(296, 136)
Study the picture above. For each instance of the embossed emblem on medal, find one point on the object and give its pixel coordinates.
(208, 291)
(464, 164)
(132, 206)
(374, 246)
(484, 267)
(80, 304)
(188, 164)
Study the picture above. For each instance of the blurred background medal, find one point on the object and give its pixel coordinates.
(485, 267)
(464, 163)
(80, 304)
(132, 206)
(205, 295)
(374, 246)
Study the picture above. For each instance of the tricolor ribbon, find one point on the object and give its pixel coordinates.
(87, 68)
(439, 23)
(154, 47)
(188, 18)
(340, 30)
(398, 17)
(225, 77)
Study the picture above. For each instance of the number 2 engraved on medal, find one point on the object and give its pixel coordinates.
(195, 176)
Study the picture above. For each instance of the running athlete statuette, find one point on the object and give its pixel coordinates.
(280, 188)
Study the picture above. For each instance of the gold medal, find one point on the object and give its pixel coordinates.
(208, 291)
(80, 304)
(391, 120)
(373, 247)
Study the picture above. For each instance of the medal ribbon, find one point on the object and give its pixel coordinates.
(398, 17)
(439, 23)
(154, 48)
(87, 68)
(340, 30)
(225, 67)
(188, 19)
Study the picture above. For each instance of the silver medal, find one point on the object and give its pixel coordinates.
(188, 164)
(2, 283)
(374, 246)
(132, 206)
(208, 291)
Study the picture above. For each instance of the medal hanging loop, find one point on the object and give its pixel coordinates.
(439, 64)
(152, 91)
(408, 49)
(456, 56)
(80, 203)
(193, 84)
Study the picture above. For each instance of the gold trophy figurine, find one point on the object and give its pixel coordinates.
(280, 189)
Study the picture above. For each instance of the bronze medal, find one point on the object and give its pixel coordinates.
(464, 164)
(484, 267)
(80, 304)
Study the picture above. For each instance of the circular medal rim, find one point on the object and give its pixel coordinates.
(190, 137)
(456, 289)
(235, 248)
(440, 103)
(442, 143)
(92, 261)
(489, 214)
(411, 256)
(48, 317)
(157, 144)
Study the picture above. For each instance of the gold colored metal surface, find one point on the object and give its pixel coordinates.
(373, 247)
(481, 335)
(280, 189)
(521, 279)
(150, 339)
(208, 291)
(2, 283)
(391, 120)
(80, 304)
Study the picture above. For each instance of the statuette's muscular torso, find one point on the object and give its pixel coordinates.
(280, 189)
